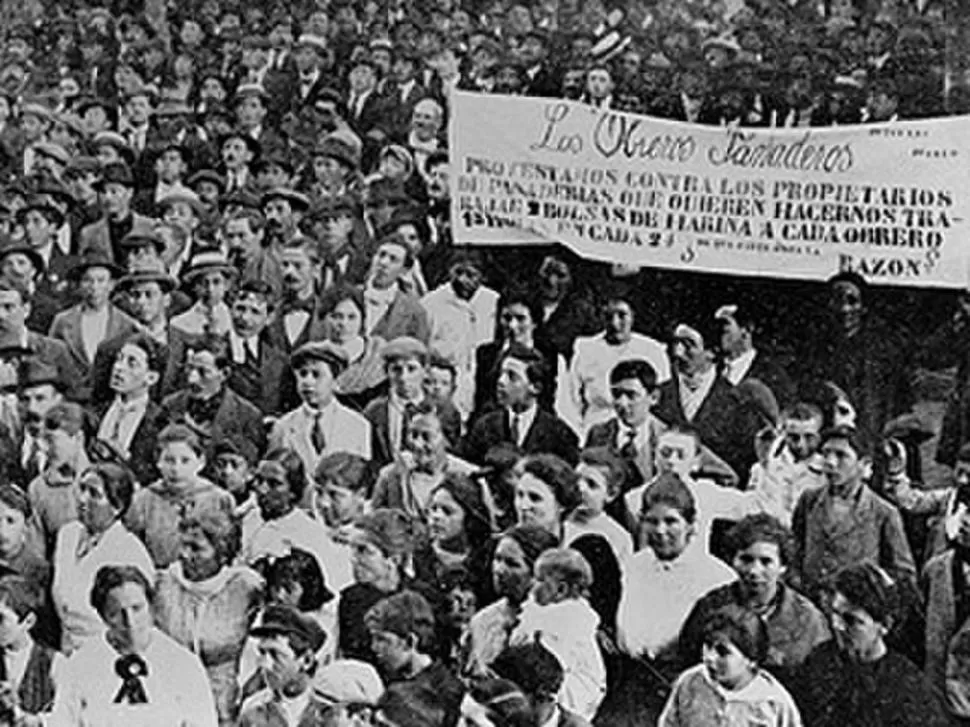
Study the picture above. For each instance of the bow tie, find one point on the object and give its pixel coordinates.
(131, 669)
(295, 305)
(204, 411)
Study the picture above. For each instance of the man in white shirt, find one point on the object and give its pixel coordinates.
(595, 357)
(462, 317)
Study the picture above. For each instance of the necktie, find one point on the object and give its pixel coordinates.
(409, 412)
(516, 429)
(629, 448)
(316, 434)
(35, 460)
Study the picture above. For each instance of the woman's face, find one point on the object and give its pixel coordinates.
(759, 569)
(446, 519)
(370, 564)
(13, 530)
(345, 321)
(535, 504)
(511, 571)
(128, 616)
(666, 531)
(94, 510)
(198, 555)
(858, 634)
(274, 496)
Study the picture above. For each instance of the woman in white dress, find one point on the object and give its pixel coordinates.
(96, 539)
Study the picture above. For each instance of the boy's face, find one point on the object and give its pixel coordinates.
(677, 453)
(439, 384)
(338, 505)
(179, 464)
(391, 651)
(314, 383)
(406, 376)
(282, 668)
(632, 402)
(232, 472)
(593, 489)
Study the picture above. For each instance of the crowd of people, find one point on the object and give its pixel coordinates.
(275, 449)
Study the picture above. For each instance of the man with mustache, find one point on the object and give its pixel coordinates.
(297, 320)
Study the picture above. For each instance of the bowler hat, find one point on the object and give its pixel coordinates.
(9, 246)
(95, 258)
(297, 200)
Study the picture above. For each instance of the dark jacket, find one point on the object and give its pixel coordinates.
(381, 446)
(235, 417)
(548, 434)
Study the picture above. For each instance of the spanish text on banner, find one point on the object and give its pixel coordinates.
(888, 201)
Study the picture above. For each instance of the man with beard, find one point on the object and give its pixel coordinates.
(115, 190)
(283, 208)
(700, 397)
(297, 320)
(596, 356)
(462, 314)
(209, 407)
(257, 365)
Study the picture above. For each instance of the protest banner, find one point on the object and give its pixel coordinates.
(889, 201)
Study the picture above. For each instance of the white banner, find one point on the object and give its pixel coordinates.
(889, 201)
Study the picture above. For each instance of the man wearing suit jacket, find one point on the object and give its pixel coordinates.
(520, 421)
(23, 451)
(297, 320)
(742, 361)
(149, 292)
(115, 190)
(406, 362)
(258, 367)
(321, 425)
(207, 405)
(41, 218)
(698, 396)
(85, 326)
(391, 312)
(129, 421)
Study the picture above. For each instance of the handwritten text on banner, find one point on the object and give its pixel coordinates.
(889, 201)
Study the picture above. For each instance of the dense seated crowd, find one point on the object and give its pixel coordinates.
(275, 450)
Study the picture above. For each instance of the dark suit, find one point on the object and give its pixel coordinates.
(487, 358)
(314, 330)
(67, 328)
(405, 317)
(36, 689)
(175, 353)
(52, 351)
(97, 237)
(770, 373)
(548, 434)
(53, 292)
(235, 417)
(382, 449)
(575, 316)
(261, 382)
(142, 454)
(720, 421)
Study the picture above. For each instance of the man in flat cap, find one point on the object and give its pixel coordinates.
(287, 642)
(321, 425)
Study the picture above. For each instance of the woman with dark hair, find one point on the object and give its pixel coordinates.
(519, 318)
(459, 534)
(855, 678)
(207, 604)
(761, 550)
(546, 493)
(98, 538)
(134, 674)
(515, 554)
(345, 324)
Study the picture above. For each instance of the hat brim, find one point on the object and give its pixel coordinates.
(78, 269)
(35, 257)
(192, 273)
(165, 282)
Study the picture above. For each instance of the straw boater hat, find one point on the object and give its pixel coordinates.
(208, 261)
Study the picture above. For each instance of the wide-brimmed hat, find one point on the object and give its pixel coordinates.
(9, 246)
(208, 261)
(297, 200)
(187, 197)
(94, 258)
(148, 274)
(43, 203)
(208, 175)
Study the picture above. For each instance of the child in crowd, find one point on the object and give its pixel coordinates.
(235, 460)
(156, 510)
(729, 687)
(27, 672)
(559, 616)
(210, 277)
(602, 475)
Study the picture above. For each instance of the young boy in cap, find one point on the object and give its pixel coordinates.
(233, 470)
(320, 425)
(210, 277)
(288, 642)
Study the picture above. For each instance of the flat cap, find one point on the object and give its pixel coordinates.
(330, 353)
(404, 347)
(287, 621)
